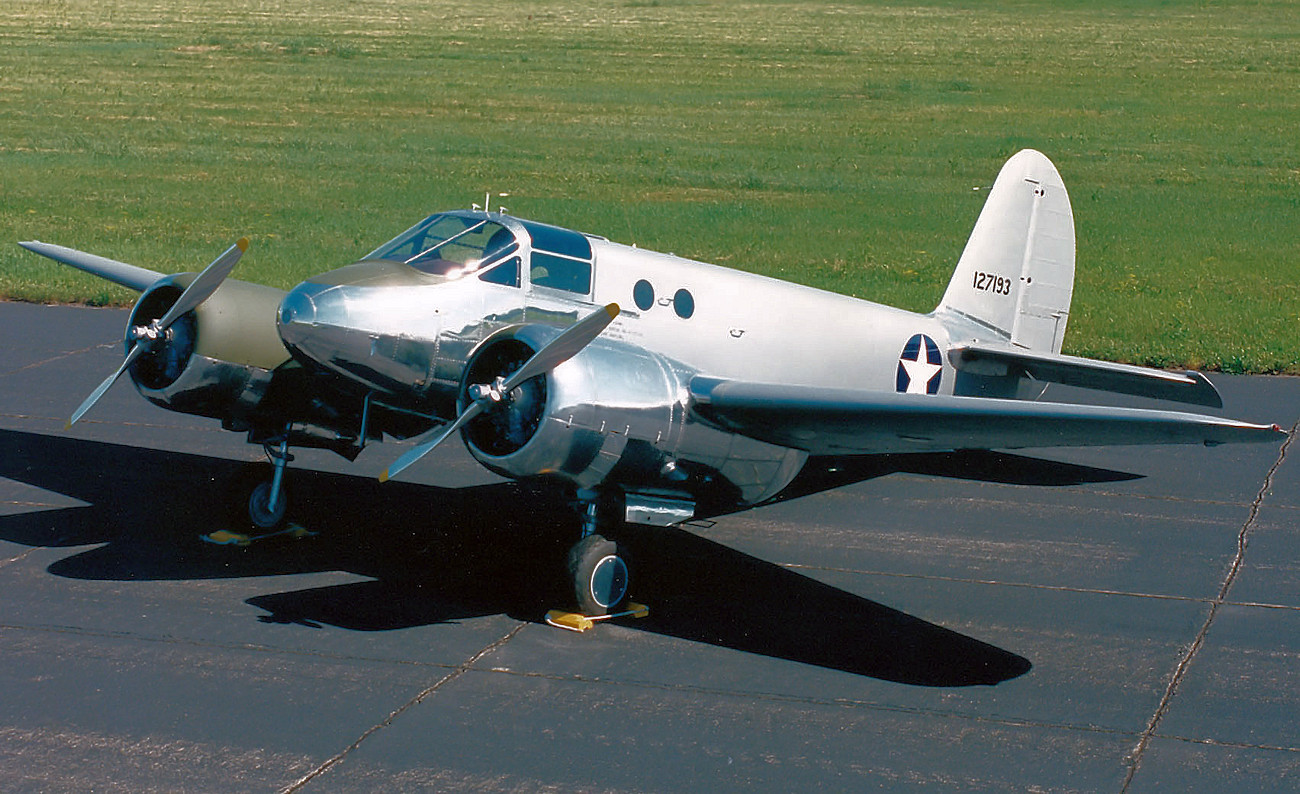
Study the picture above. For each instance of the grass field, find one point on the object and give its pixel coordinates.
(832, 144)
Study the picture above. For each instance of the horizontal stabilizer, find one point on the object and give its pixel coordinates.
(136, 278)
(857, 422)
(1184, 387)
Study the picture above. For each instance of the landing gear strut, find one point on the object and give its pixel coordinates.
(268, 501)
(596, 567)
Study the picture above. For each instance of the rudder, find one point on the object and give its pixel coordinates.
(1016, 274)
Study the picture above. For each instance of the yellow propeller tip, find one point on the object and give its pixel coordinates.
(612, 310)
(242, 242)
(383, 477)
(67, 426)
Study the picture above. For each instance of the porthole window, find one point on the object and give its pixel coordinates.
(643, 294)
(684, 304)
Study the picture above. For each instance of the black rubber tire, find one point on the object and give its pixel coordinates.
(259, 515)
(599, 575)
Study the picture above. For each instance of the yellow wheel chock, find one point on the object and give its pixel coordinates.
(572, 621)
(224, 537)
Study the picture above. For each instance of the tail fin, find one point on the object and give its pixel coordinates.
(1016, 275)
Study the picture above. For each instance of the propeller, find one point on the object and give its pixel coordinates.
(554, 353)
(146, 336)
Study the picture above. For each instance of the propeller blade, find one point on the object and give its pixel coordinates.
(563, 347)
(415, 453)
(199, 290)
(553, 354)
(207, 282)
(136, 351)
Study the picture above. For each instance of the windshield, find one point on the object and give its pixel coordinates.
(449, 245)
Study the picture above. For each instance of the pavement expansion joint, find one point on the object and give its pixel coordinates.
(1180, 671)
(1272, 748)
(460, 670)
(19, 558)
(60, 357)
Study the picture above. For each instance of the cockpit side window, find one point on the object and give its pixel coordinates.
(449, 245)
(559, 272)
(506, 273)
(561, 259)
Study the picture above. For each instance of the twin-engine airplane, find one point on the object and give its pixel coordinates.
(708, 390)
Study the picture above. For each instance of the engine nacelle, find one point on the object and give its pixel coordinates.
(577, 420)
(215, 361)
(614, 408)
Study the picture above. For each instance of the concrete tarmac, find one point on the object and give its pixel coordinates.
(1122, 619)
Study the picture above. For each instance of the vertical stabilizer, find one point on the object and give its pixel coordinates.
(1016, 275)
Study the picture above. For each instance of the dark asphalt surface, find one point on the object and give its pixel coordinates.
(1123, 619)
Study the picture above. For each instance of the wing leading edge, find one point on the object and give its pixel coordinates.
(854, 422)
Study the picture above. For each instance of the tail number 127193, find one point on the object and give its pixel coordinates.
(988, 282)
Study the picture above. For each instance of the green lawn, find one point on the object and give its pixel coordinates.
(835, 145)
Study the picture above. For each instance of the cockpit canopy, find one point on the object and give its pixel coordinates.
(449, 245)
(456, 244)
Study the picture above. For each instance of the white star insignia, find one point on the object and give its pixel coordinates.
(919, 372)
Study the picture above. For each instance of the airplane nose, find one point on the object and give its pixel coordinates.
(298, 306)
(301, 315)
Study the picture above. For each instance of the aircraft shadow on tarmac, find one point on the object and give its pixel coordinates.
(438, 555)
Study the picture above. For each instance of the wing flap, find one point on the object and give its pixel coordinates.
(1186, 387)
(850, 421)
(136, 278)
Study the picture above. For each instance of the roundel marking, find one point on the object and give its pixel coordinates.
(920, 367)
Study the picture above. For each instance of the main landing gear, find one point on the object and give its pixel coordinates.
(596, 567)
(258, 496)
(261, 502)
(268, 501)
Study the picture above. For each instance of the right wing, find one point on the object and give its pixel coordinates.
(853, 422)
(137, 278)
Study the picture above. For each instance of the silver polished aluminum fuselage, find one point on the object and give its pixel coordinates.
(618, 412)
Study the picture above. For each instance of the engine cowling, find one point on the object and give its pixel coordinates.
(215, 361)
(578, 420)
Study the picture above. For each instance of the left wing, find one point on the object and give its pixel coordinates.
(136, 278)
(852, 422)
